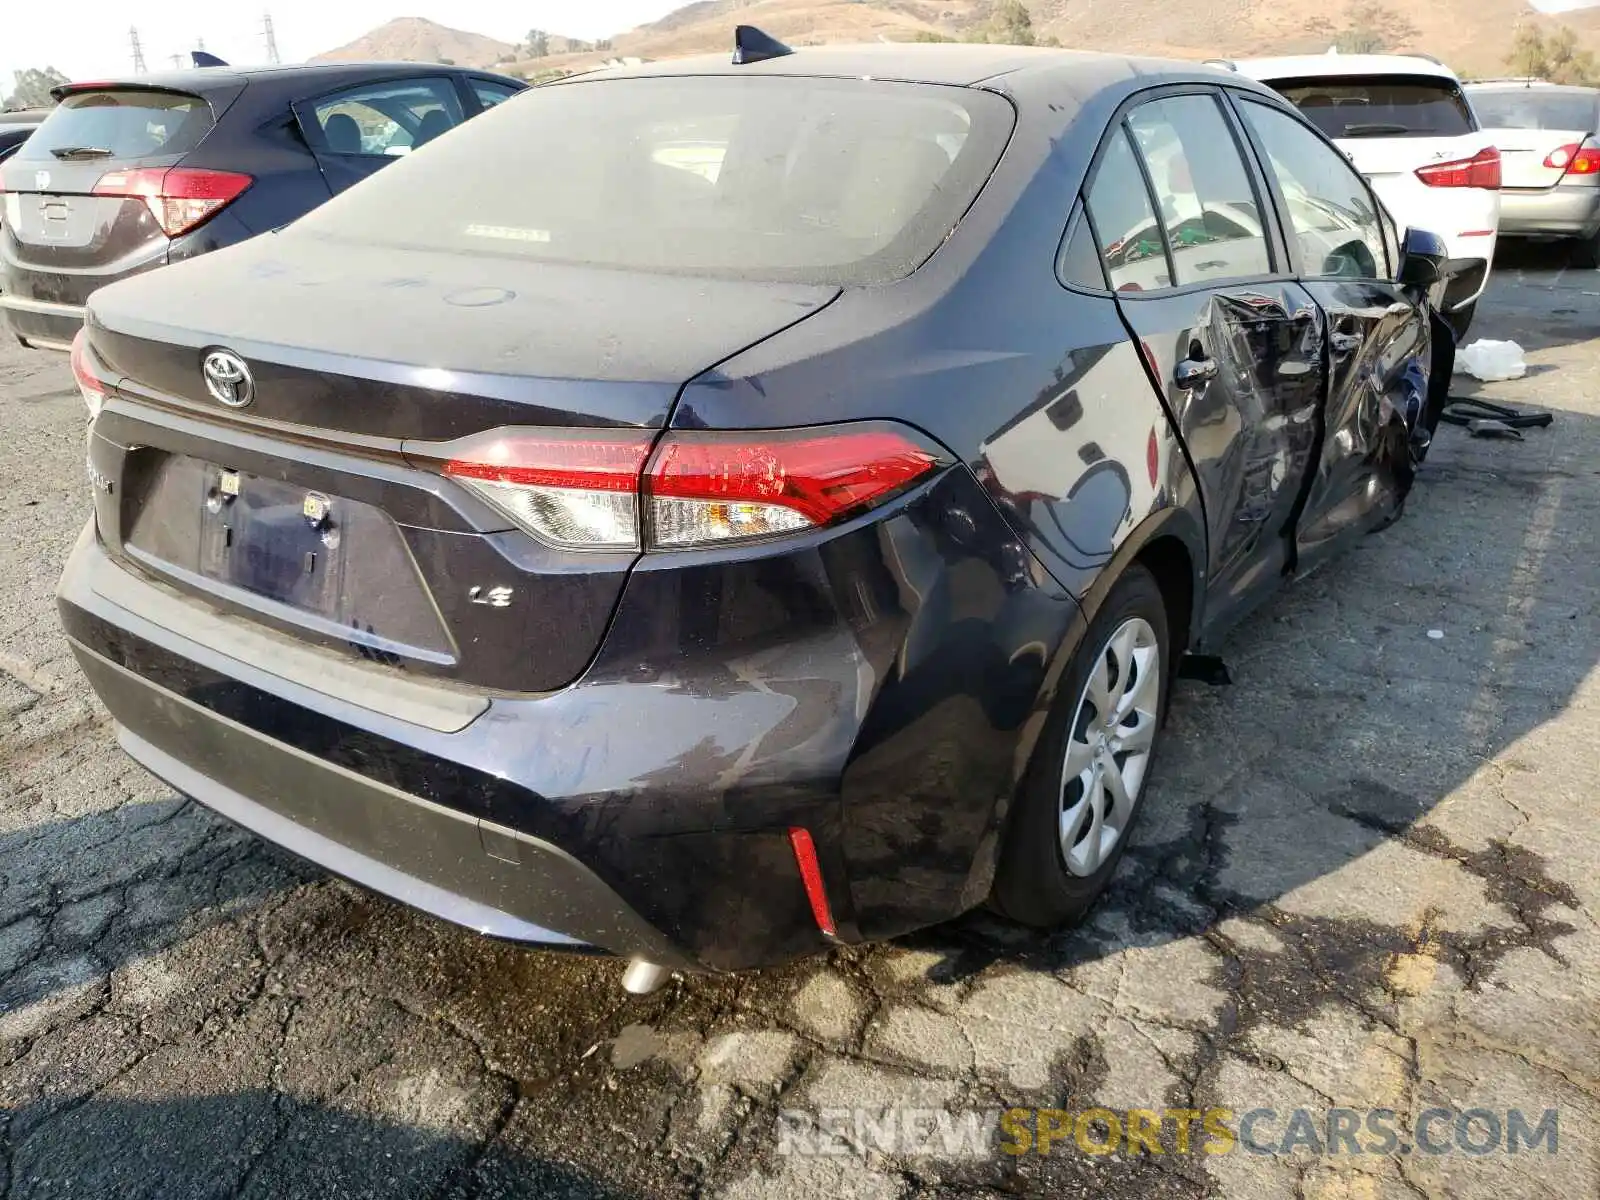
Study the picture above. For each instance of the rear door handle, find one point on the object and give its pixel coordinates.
(1192, 372)
(1346, 343)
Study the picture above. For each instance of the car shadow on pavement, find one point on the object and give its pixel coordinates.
(1359, 786)
(258, 1143)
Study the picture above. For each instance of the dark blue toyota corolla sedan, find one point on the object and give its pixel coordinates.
(708, 512)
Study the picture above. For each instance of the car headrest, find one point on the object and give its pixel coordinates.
(342, 133)
(435, 122)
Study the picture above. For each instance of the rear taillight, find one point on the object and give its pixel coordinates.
(89, 383)
(179, 198)
(714, 487)
(1482, 170)
(568, 489)
(595, 491)
(1575, 159)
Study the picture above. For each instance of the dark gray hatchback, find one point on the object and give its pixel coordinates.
(127, 175)
(769, 515)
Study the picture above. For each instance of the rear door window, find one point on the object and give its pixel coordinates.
(120, 124)
(1206, 199)
(1356, 106)
(1336, 220)
(386, 119)
(1530, 108)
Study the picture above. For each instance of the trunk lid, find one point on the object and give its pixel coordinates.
(55, 223)
(423, 345)
(1525, 155)
(320, 507)
(1391, 164)
(1531, 123)
(1385, 157)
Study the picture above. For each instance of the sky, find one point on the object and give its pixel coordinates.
(86, 38)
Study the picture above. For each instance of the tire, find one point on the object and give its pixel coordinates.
(1586, 251)
(1042, 879)
(1461, 320)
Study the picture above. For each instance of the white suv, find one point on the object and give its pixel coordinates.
(1405, 124)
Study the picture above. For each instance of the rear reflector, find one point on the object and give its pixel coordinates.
(1482, 170)
(179, 198)
(577, 489)
(1575, 159)
(805, 856)
(89, 383)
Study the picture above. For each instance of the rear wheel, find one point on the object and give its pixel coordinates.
(1586, 251)
(1073, 817)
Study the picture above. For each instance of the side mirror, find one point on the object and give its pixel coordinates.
(1422, 260)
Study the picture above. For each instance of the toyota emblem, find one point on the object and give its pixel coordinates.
(228, 379)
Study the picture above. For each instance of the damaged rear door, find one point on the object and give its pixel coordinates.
(1234, 345)
(1376, 424)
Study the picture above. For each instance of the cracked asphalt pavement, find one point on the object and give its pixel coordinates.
(1367, 876)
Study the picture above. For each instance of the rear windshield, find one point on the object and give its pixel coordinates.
(774, 178)
(1525, 108)
(122, 125)
(1354, 106)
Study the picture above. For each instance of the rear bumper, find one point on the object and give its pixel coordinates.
(1468, 277)
(199, 728)
(421, 854)
(440, 859)
(1561, 211)
(43, 324)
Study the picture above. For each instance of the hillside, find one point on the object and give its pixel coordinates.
(1586, 21)
(413, 39)
(1470, 35)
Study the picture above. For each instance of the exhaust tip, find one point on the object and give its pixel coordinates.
(641, 978)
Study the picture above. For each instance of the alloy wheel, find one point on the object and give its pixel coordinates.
(1108, 752)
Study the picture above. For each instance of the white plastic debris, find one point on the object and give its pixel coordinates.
(1436, 634)
(1493, 361)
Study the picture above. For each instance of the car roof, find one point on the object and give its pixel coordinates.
(23, 116)
(916, 62)
(1543, 85)
(1332, 64)
(199, 80)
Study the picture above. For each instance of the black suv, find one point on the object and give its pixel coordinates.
(131, 174)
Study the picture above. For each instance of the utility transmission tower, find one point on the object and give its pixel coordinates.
(138, 51)
(270, 37)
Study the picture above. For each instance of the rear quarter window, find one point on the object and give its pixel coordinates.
(1355, 106)
(126, 124)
